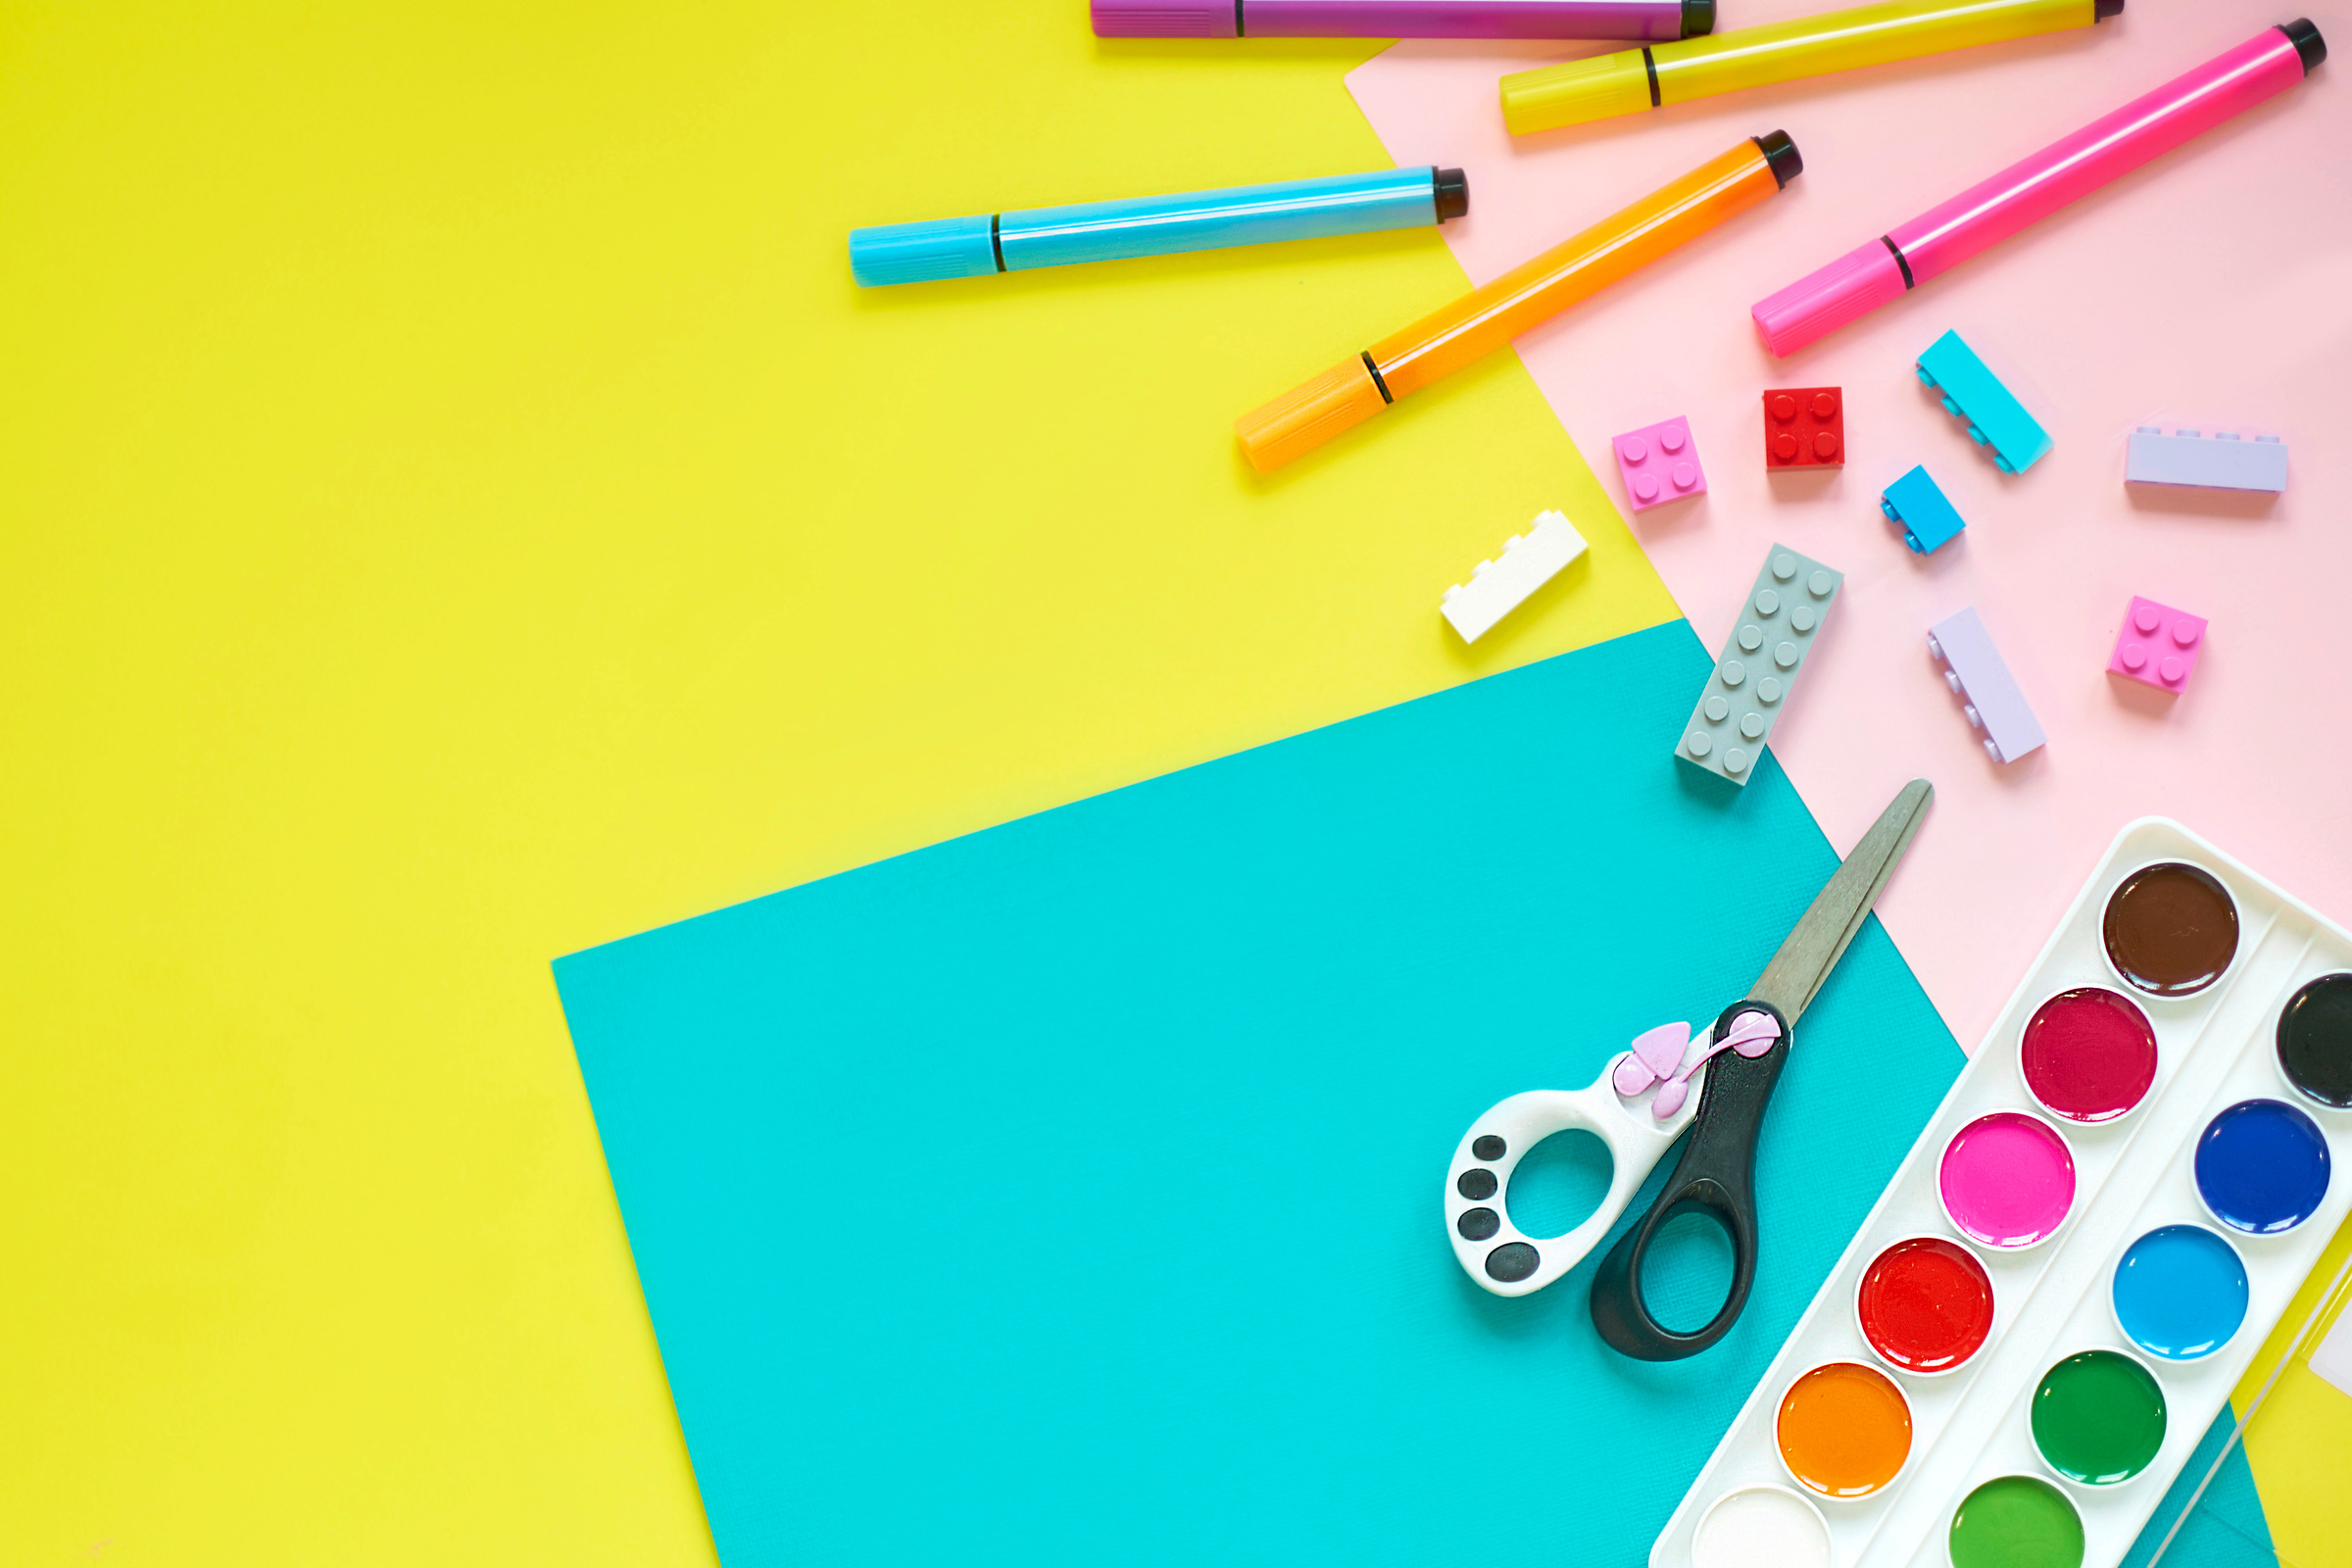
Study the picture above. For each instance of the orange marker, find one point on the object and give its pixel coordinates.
(1485, 318)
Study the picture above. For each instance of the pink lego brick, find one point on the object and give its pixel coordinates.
(2158, 645)
(1659, 462)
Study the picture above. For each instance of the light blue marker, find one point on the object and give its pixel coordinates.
(1156, 225)
(2181, 1291)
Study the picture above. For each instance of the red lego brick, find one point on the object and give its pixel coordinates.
(1804, 427)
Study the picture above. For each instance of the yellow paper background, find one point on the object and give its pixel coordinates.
(455, 508)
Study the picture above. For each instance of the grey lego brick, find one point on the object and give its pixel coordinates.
(1752, 678)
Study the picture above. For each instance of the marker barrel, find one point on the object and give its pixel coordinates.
(1658, 21)
(1156, 225)
(1490, 316)
(1636, 79)
(2032, 188)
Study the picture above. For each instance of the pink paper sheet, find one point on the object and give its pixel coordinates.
(2212, 288)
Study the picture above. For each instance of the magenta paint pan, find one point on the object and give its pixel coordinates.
(2088, 1055)
(2007, 1180)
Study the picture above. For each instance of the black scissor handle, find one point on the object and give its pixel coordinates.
(1715, 1177)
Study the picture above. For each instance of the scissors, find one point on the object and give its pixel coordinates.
(1716, 1086)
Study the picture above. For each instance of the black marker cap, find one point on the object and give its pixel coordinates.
(1782, 153)
(2307, 41)
(2101, 10)
(1698, 17)
(1452, 189)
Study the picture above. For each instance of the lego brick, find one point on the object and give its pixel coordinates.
(2158, 645)
(1995, 418)
(2223, 461)
(1659, 462)
(1916, 504)
(1525, 562)
(1751, 680)
(1987, 691)
(1804, 427)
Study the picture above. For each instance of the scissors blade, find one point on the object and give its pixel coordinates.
(1794, 975)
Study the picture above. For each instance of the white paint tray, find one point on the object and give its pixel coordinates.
(1969, 1426)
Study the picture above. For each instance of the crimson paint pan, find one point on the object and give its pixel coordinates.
(2088, 1055)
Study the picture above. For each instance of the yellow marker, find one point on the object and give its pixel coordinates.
(1635, 80)
(1536, 290)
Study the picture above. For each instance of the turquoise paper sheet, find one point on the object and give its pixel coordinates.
(1069, 1194)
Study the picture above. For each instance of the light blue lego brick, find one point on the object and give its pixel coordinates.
(1777, 623)
(1917, 504)
(1994, 418)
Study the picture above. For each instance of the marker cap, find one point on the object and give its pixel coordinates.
(1165, 18)
(2310, 47)
(1577, 90)
(921, 253)
(1846, 290)
(1310, 415)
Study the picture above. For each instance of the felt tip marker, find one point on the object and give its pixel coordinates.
(1635, 80)
(1658, 21)
(1156, 225)
(2031, 190)
(1492, 315)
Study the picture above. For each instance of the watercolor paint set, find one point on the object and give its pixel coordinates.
(2079, 1256)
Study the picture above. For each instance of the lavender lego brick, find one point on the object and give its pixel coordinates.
(2158, 645)
(1916, 504)
(1988, 694)
(1659, 462)
(2223, 461)
(1744, 696)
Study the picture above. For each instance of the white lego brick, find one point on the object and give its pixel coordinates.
(2224, 460)
(1978, 673)
(1525, 562)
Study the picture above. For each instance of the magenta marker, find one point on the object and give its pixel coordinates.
(1651, 20)
(2073, 167)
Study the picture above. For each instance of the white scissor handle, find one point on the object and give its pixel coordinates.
(1489, 1247)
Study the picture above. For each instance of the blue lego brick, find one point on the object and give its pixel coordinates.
(1994, 418)
(1915, 503)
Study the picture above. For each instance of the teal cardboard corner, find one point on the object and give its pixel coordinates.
(1069, 1194)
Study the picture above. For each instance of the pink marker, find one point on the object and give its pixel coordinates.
(2069, 168)
(1649, 20)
